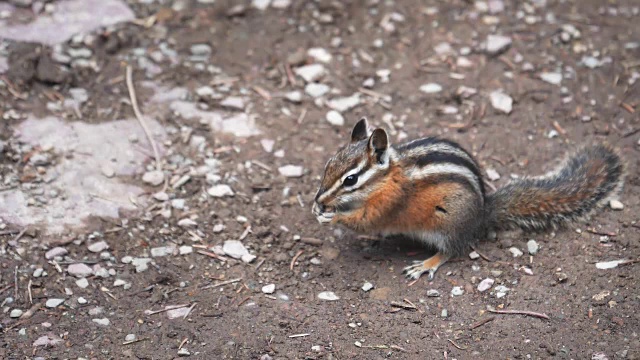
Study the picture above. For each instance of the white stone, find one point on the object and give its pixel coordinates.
(320, 54)
(431, 88)
(153, 178)
(532, 247)
(368, 83)
(433, 293)
(610, 264)
(267, 145)
(316, 89)
(79, 270)
(247, 258)
(234, 248)
(161, 251)
(515, 252)
(56, 251)
(141, 264)
(291, 171)
(98, 247)
(53, 303)
(344, 104)
(186, 222)
(367, 286)
(501, 291)
(551, 78)
(220, 190)
(260, 4)
(328, 296)
(185, 250)
(335, 118)
(108, 171)
(15, 313)
(269, 289)
(457, 291)
(496, 44)
(126, 259)
(294, 96)
(474, 255)
(310, 73)
(161, 196)
(218, 228)
(501, 101)
(233, 102)
(102, 322)
(130, 337)
(38, 272)
(616, 205)
(485, 284)
(492, 174)
(82, 283)
(82, 300)
(280, 4)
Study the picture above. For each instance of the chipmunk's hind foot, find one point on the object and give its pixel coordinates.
(430, 265)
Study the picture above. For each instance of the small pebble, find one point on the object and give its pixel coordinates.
(431, 88)
(457, 291)
(56, 251)
(103, 321)
(515, 252)
(532, 247)
(444, 313)
(485, 284)
(82, 283)
(492, 174)
(79, 270)
(497, 44)
(82, 300)
(269, 289)
(474, 255)
(501, 101)
(130, 337)
(433, 293)
(53, 303)
(98, 247)
(328, 296)
(15, 313)
(367, 286)
(153, 178)
(291, 171)
(220, 190)
(335, 118)
(616, 205)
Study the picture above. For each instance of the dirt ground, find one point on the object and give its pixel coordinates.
(571, 71)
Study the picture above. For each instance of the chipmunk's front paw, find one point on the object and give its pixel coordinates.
(430, 265)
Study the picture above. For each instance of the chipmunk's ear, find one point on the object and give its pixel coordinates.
(360, 130)
(378, 144)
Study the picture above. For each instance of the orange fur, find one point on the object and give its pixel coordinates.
(435, 261)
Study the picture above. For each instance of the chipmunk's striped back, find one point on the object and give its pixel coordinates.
(434, 159)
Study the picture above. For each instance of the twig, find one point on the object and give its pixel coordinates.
(221, 284)
(456, 345)
(9, 232)
(262, 165)
(212, 255)
(134, 341)
(136, 110)
(293, 261)
(20, 234)
(481, 254)
(627, 107)
(182, 343)
(189, 311)
(596, 232)
(311, 241)
(407, 306)
(29, 291)
(168, 308)
(6, 288)
(414, 305)
(298, 335)
(262, 92)
(559, 128)
(245, 233)
(520, 312)
(260, 264)
(396, 347)
(482, 322)
(302, 115)
(15, 283)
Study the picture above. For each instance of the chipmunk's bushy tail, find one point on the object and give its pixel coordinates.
(585, 180)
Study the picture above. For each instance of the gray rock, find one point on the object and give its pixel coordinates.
(492, 174)
(616, 204)
(431, 88)
(316, 90)
(98, 247)
(320, 54)
(291, 171)
(102, 321)
(497, 44)
(344, 104)
(294, 96)
(457, 291)
(335, 118)
(130, 337)
(38, 272)
(220, 190)
(501, 101)
(367, 286)
(53, 303)
(234, 248)
(269, 289)
(310, 73)
(79, 270)
(260, 4)
(15, 313)
(82, 283)
(532, 247)
(551, 78)
(233, 102)
(161, 251)
(328, 296)
(433, 293)
(153, 178)
(185, 249)
(515, 252)
(141, 264)
(485, 284)
(200, 50)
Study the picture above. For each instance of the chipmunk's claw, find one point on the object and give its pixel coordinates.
(431, 265)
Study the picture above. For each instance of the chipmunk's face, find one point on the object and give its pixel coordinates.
(352, 173)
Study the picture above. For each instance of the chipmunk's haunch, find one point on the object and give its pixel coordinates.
(432, 190)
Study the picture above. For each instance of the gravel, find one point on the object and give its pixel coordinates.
(269, 289)
(53, 303)
(328, 296)
(153, 178)
(220, 190)
(431, 88)
(497, 44)
(311, 73)
(316, 90)
(291, 171)
(532, 247)
(485, 284)
(79, 270)
(501, 101)
(335, 118)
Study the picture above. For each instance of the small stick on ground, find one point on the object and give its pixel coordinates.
(221, 284)
(182, 343)
(29, 292)
(414, 305)
(298, 335)
(244, 301)
(212, 255)
(407, 306)
(20, 234)
(520, 312)
(168, 308)
(134, 341)
(262, 92)
(396, 347)
(136, 110)
(311, 241)
(602, 233)
(302, 115)
(245, 233)
(260, 264)
(485, 257)
(482, 322)
(559, 128)
(9, 232)
(456, 345)
(189, 311)
(293, 261)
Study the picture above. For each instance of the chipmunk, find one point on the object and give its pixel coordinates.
(432, 190)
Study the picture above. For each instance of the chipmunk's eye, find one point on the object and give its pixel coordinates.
(350, 180)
